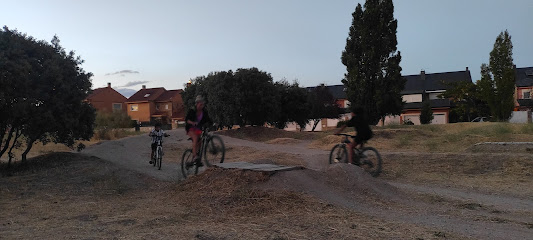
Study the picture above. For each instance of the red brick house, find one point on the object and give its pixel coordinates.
(107, 99)
(156, 104)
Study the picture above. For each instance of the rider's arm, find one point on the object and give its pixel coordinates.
(340, 129)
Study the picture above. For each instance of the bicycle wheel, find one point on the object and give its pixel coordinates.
(214, 151)
(371, 161)
(338, 154)
(159, 157)
(188, 166)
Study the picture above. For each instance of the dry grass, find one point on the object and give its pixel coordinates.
(68, 195)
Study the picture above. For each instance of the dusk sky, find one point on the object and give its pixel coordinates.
(166, 43)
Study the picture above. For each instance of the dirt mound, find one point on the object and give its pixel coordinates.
(283, 141)
(263, 134)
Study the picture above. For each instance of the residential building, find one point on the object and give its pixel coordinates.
(156, 104)
(524, 89)
(107, 99)
(429, 87)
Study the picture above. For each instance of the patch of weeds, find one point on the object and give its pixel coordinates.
(527, 128)
(404, 140)
(439, 234)
(502, 129)
(471, 206)
(453, 137)
(432, 145)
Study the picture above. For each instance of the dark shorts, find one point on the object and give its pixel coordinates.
(154, 146)
(358, 139)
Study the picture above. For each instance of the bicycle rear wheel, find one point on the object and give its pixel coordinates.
(159, 157)
(154, 159)
(371, 161)
(338, 154)
(188, 165)
(214, 151)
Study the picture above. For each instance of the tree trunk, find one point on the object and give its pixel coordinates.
(315, 123)
(383, 121)
(28, 148)
(10, 153)
(6, 145)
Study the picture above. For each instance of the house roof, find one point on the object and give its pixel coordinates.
(98, 91)
(168, 95)
(336, 90)
(524, 77)
(433, 81)
(147, 94)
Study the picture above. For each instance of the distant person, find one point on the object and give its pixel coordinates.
(360, 123)
(197, 118)
(156, 133)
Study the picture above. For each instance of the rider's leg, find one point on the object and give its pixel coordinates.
(195, 141)
(152, 153)
(351, 146)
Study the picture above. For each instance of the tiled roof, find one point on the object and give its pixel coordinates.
(98, 91)
(147, 94)
(434, 81)
(524, 77)
(168, 95)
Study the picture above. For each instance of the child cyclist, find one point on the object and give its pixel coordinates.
(156, 133)
(364, 133)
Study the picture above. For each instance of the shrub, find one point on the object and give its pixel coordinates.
(117, 119)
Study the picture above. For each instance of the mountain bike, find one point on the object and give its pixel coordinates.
(158, 154)
(211, 150)
(367, 158)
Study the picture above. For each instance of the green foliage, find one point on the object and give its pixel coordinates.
(468, 101)
(118, 119)
(293, 106)
(321, 105)
(426, 114)
(43, 88)
(497, 84)
(373, 79)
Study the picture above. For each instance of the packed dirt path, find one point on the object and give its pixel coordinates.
(466, 212)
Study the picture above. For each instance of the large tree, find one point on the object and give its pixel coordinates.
(42, 88)
(498, 78)
(373, 77)
(293, 106)
(322, 105)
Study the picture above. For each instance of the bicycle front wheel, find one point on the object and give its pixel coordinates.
(338, 154)
(214, 151)
(159, 157)
(371, 161)
(187, 164)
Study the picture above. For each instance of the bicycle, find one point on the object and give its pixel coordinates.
(367, 158)
(212, 150)
(158, 154)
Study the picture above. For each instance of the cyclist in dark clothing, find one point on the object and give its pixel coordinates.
(364, 133)
(196, 118)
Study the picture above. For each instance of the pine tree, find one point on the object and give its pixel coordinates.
(373, 79)
(426, 114)
(498, 78)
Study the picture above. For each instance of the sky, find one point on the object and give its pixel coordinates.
(165, 43)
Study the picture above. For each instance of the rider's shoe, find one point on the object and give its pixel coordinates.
(151, 162)
(199, 162)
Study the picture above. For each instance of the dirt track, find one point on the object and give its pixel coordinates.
(469, 213)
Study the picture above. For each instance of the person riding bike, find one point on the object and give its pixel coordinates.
(364, 133)
(156, 133)
(197, 118)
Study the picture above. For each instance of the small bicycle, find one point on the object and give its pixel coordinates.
(158, 154)
(367, 158)
(212, 150)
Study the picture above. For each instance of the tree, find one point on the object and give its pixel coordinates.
(373, 79)
(322, 105)
(467, 99)
(42, 90)
(293, 105)
(498, 78)
(426, 114)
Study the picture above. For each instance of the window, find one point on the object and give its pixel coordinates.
(410, 98)
(526, 95)
(157, 107)
(134, 108)
(147, 95)
(166, 106)
(117, 106)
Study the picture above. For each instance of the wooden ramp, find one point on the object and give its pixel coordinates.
(257, 167)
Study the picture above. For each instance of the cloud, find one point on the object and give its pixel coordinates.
(123, 72)
(129, 84)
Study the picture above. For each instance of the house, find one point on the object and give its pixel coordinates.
(107, 99)
(156, 104)
(422, 87)
(524, 89)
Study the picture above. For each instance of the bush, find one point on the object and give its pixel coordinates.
(117, 119)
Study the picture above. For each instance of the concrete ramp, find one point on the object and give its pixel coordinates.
(257, 167)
